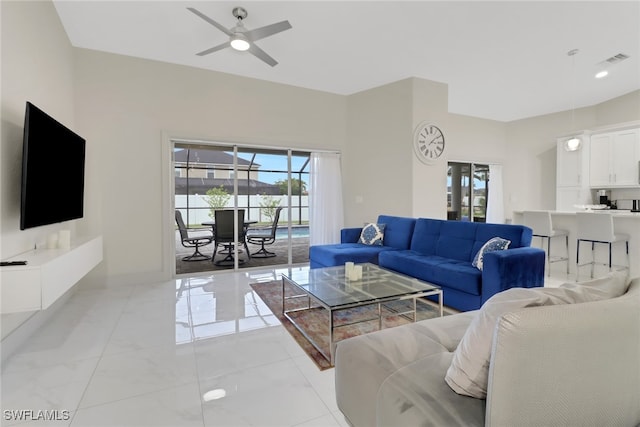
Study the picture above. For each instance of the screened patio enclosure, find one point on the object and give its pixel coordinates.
(256, 180)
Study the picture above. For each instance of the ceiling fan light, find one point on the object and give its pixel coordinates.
(240, 42)
(572, 144)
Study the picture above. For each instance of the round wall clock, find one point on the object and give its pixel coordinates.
(428, 143)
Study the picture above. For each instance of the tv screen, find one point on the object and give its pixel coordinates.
(53, 159)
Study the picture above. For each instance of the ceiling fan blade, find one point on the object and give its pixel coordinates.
(262, 55)
(210, 21)
(214, 49)
(267, 30)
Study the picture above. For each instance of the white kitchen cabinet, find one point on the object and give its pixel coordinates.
(614, 159)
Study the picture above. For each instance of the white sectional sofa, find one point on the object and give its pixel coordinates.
(567, 364)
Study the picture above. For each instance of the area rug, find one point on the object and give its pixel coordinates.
(315, 322)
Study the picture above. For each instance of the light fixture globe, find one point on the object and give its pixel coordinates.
(572, 144)
(240, 42)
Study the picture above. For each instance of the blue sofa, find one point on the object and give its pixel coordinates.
(441, 252)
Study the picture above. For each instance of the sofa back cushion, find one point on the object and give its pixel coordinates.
(398, 231)
(425, 235)
(457, 240)
(519, 235)
(469, 371)
(462, 240)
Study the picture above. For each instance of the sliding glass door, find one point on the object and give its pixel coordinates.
(257, 181)
(467, 191)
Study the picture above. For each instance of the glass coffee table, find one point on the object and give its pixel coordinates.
(330, 289)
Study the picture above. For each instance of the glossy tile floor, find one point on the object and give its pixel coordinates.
(198, 351)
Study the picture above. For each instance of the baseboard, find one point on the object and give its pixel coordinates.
(137, 278)
(21, 334)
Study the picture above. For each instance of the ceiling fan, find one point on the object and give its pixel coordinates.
(242, 39)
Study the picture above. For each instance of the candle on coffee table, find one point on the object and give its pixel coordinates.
(348, 268)
(357, 272)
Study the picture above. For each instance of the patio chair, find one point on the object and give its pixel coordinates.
(223, 235)
(264, 236)
(203, 238)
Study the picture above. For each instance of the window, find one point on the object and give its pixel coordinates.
(467, 191)
(208, 175)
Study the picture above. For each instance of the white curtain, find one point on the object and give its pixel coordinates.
(495, 203)
(325, 199)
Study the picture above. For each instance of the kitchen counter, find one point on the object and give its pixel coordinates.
(614, 212)
(624, 221)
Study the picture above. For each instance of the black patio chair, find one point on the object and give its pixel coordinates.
(264, 236)
(203, 238)
(223, 235)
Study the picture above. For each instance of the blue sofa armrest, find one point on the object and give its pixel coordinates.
(513, 268)
(350, 235)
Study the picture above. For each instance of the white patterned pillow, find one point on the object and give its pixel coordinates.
(372, 234)
(495, 244)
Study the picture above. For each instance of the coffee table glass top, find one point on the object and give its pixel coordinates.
(331, 287)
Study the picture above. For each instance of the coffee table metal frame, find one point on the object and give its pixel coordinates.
(339, 284)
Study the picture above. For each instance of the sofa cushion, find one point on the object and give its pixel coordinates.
(425, 236)
(457, 240)
(338, 254)
(365, 362)
(398, 231)
(416, 395)
(462, 240)
(469, 370)
(494, 244)
(447, 330)
(372, 234)
(460, 275)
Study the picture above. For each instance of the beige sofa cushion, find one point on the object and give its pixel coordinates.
(469, 370)
(365, 362)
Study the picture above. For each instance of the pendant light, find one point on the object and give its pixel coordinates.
(574, 142)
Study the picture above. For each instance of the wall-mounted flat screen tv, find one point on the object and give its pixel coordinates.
(53, 161)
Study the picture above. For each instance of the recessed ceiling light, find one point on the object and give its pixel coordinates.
(602, 74)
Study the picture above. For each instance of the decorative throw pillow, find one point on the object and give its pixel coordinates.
(495, 244)
(372, 234)
(469, 371)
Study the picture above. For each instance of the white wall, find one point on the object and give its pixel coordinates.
(382, 173)
(37, 66)
(530, 167)
(625, 108)
(125, 105)
(430, 103)
(376, 161)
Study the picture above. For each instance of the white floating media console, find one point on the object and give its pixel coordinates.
(49, 273)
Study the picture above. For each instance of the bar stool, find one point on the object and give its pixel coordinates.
(597, 228)
(542, 226)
